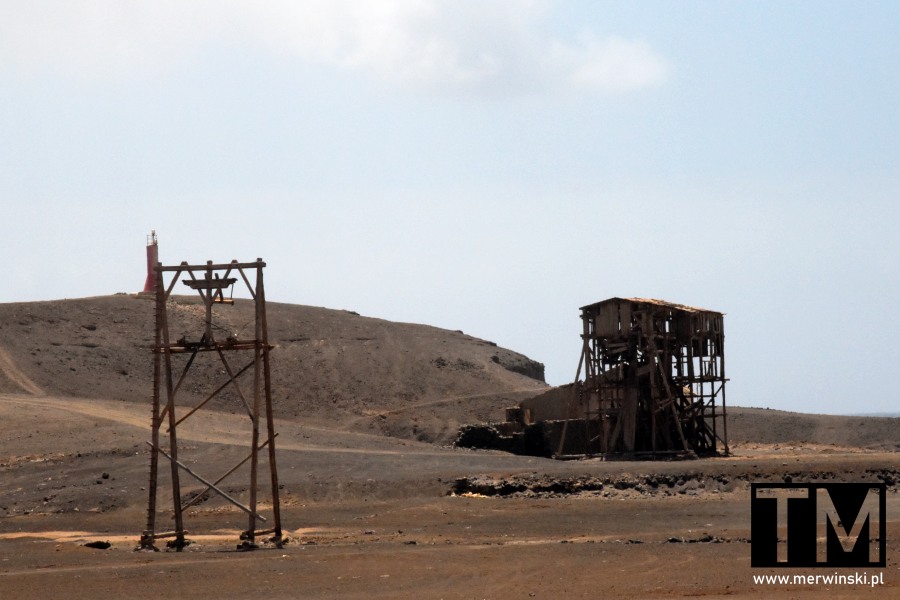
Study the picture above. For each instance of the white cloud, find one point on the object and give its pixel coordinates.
(427, 43)
(95, 39)
(616, 64)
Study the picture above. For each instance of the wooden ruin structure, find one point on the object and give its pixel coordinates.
(654, 381)
(172, 362)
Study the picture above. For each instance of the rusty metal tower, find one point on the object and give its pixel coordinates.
(172, 361)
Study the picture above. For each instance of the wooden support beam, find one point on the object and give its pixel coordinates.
(213, 395)
(186, 268)
(211, 485)
(196, 498)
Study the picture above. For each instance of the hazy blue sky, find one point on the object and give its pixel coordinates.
(484, 166)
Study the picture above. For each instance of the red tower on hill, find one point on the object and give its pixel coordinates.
(152, 260)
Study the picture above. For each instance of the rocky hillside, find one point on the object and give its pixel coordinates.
(329, 367)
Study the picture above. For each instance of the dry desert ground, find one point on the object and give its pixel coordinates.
(376, 503)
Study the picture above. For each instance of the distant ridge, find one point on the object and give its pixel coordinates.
(769, 426)
(892, 415)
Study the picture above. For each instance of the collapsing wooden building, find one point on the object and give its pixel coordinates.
(653, 387)
(654, 381)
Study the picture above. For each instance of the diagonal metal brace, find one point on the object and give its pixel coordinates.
(196, 498)
(235, 382)
(215, 393)
(211, 485)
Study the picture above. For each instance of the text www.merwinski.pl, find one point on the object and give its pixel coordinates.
(860, 579)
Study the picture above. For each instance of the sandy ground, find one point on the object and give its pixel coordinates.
(373, 516)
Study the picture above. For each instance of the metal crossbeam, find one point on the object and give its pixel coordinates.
(209, 486)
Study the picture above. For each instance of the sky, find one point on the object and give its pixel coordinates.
(485, 166)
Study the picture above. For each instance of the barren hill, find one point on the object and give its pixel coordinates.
(765, 426)
(329, 367)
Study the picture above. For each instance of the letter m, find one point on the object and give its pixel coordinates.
(848, 533)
